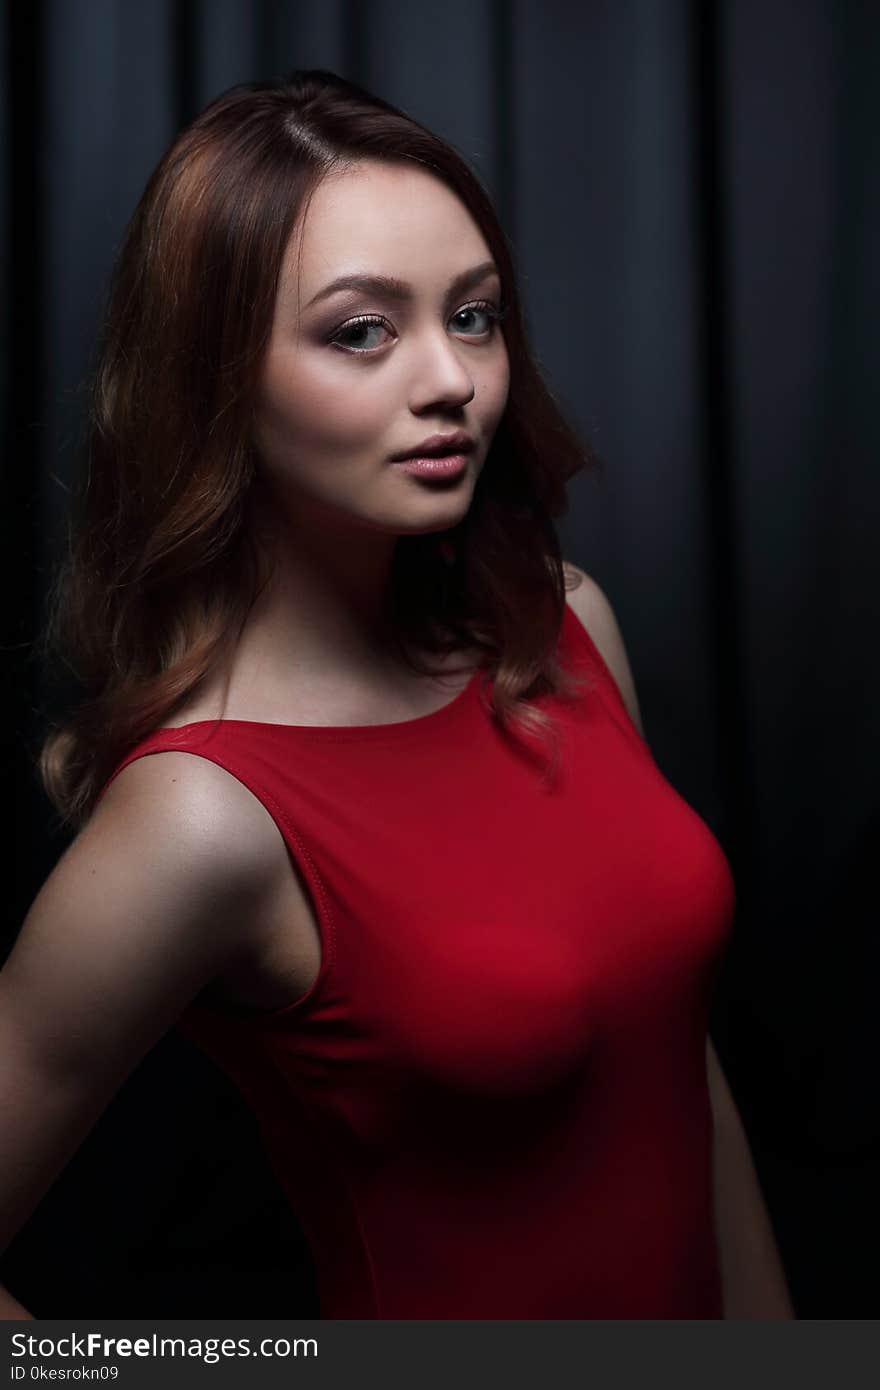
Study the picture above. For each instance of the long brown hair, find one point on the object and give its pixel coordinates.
(161, 570)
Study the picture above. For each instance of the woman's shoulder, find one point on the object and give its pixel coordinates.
(204, 829)
(592, 607)
(154, 898)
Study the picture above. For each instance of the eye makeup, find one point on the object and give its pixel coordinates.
(492, 312)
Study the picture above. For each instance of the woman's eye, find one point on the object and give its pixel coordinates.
(354, 335)
(353, 329)
(482, 308)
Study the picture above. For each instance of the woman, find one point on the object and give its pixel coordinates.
(399, 860)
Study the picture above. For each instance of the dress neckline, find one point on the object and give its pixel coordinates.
(350, 732)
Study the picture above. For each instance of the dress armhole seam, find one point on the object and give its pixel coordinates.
(256, 1017)
(609, 690)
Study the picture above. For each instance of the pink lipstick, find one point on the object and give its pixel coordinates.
(442, 466)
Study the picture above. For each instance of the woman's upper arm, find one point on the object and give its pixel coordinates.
(149, 902)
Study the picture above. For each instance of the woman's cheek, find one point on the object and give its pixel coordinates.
(496, 393)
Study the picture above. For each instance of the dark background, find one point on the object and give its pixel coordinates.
(692, 196)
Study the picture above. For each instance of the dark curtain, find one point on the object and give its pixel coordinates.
(691, 192)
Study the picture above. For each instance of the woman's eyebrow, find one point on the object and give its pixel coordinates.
(393, 288)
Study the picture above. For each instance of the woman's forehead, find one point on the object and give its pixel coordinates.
(384, 221)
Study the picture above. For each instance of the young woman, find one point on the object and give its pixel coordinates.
(361, 796)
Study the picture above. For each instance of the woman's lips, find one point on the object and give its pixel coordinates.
(441, 466)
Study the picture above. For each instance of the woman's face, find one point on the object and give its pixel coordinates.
(340, 396)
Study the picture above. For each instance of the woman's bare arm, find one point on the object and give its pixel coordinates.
(752, 1272)
(152, 900)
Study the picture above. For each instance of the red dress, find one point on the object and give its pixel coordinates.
(493, 1101)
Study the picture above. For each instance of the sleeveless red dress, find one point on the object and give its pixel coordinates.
(493, 1101)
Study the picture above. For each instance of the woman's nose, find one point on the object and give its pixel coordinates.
(439, 373)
